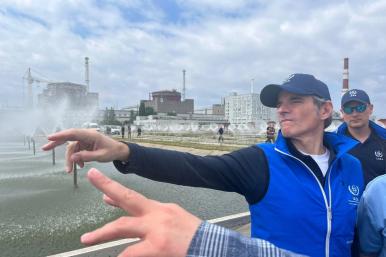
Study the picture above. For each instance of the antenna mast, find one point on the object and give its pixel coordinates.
(183, 84)
(30, 80)
(87, 80)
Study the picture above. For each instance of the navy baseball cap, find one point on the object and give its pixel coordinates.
(355, 95)
(300, 84)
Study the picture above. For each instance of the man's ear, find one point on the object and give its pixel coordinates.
(371, 108)
(326, 110)
(341, 113)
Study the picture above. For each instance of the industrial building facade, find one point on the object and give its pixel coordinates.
(71, 102)
(75, 96)
(169, 101)
(247, 109)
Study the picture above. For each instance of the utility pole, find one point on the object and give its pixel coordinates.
(87, 73)
(183, 84)
(30, 99)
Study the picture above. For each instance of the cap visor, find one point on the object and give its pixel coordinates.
(354, 100)
(269, 95)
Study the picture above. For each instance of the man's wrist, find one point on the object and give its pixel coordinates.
(123, 152)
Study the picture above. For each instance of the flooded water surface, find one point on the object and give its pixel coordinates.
(41, 213)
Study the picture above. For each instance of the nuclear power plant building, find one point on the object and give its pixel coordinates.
(169, 101)
(74, 96)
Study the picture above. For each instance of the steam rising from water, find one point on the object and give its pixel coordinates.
(257, 129)
(41, 121)
(40, 211)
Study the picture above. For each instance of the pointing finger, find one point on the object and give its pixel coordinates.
(109, 201)
(84, 135)
(52, 145)
(129, 200)
(124, 227)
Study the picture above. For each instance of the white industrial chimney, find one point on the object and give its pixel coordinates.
(183, 84)
(87, 79)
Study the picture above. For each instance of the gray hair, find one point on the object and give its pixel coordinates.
(319, 102)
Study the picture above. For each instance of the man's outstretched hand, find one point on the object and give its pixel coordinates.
(87, 145)
(164, 229)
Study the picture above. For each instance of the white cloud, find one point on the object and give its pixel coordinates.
(210, 5)
(134, 49)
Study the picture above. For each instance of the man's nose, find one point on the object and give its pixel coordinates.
(283, 108)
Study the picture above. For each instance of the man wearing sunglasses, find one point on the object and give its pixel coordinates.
(356, 110)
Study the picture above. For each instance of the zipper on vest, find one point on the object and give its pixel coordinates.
(329, 213)
(327, 204)
(329, 220)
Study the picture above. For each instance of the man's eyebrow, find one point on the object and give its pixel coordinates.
(297, 97)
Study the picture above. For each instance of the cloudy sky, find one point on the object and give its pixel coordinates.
(139, 46)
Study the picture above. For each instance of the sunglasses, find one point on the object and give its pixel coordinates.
(359, 108)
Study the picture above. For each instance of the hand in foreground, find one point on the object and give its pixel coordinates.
(164, 229)
(88, 145)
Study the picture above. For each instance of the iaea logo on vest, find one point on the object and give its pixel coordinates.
(378, 155)
(354, 190)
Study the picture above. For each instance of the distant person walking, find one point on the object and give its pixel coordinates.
(220, 133)
(270, 132)
(129, 131)
(123, 131)
(139, 132)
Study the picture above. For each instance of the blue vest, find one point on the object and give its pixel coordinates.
(298, 213)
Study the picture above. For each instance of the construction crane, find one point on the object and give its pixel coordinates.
(39, 79)
(30, 80)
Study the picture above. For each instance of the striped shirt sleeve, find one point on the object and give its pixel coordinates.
(215, 241)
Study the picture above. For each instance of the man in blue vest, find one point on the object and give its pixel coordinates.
(356, 110)
(302, 191)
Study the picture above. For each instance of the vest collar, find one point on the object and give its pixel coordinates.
(375, 127)
(335, 143)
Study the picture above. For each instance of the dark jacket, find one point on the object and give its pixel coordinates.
(371, 153)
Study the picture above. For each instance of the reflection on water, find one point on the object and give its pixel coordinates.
(42, 214)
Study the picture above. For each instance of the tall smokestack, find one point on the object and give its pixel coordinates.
(30, 99)
(183, 85)
(87, 79)
(252, 82)
(345, 76)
